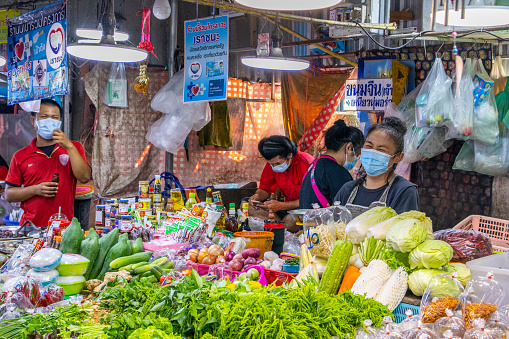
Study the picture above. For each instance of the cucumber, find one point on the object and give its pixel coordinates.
(145, 268)
(168, 264)
(150, 279)
(131, 259)
(135, 278)
(147, 274)
(143, 263)
(157, 272)
(156, 258)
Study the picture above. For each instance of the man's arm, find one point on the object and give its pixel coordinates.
(80, 168)
(21, 194)
(275, 206)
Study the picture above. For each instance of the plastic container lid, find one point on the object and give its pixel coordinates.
(45, 278)
(68, 259)
(126, 217)
(110, 201)
(124, 200)
(46, 259)
(192, 195)
(100, 206)
(73, 279)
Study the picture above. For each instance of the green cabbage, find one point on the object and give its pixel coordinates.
(430, 254)
(463, 272)
(405, 235)
(151, 332)
(443, 285)
(419, 280)
(357, 229)
(379, 231)
(425, 221)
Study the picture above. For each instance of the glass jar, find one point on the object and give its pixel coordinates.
(107, 221)
(143, 189)
(123, 206)
(114, 208)
(126, 224)
(99, 215)
(107, 206)
(118, 219)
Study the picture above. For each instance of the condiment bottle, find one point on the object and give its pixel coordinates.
(232, 224)
(221, 221)
(191, 201)
(170, 205)
(157, 184)
(208, 197)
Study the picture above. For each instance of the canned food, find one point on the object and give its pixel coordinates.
(144, 204)
(143, 189)
(145, 212)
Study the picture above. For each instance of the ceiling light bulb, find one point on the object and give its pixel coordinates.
(161, 9)
(3, 61)
(288, 5)
(476, 16)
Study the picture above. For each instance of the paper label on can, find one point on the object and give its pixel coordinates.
(123, 209)
(107, 223)
(99, 217)
(126, 226)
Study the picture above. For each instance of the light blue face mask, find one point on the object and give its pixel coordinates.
(280, 168)
(46, 127)
(374, 162)
(350, 165)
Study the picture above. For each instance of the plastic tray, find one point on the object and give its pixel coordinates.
(496, 229)
(278, 277)
(498, 264)
(399, 312)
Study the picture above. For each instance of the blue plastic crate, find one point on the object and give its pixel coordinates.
(399, 312)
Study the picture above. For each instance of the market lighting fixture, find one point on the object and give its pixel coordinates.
(107, 50)
(276, 61)
(3, 61)
(288, 5)
(474, 16)
(161, 9)
(96, 34)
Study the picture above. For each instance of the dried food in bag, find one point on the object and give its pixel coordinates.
(435, 100)
(452, 323)
(466, 244)
(481, 299)
(443, 292)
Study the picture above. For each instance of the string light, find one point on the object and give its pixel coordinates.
(142, 155)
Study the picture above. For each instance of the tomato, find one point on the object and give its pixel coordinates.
(165, 279)
(186, 272)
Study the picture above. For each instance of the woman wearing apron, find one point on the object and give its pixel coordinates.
(329, 172)
(381, 186)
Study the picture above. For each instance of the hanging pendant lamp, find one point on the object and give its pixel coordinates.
(96, 34)
(276, 61)
(3, 61)
(288, 5)
(107, 50)
(476, 14)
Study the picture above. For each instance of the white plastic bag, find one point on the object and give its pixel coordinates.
(115, 92)
(493, 160)
(483, 84)
(486, 122)
(498, 75)
(31, 106)
(462, 115)
(424, 143)
(170, 132)
(435, 100)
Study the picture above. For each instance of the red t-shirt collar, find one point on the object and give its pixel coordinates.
(32, 147)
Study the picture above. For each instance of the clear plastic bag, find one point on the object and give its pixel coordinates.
(435, 100)
(483, 84)
(366, 332)
(485, 127)
(502, 100)
(410, 322)
(115, 92)
(422, 331)
(450, 335)
(319, 232)
(466, 157)
(493, 160)
(424, 143)
(51, 294)
(292, 243)
(466, 244)
(443, 292)
(481, 299)
(462, 115)
(479, 331)
(406, 108)
(498, 324)
(170, 132)
(452, 323)
(388, 325)
(341, 216)
(498, 75)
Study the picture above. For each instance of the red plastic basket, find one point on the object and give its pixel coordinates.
(496, 229)
(200, 268)
(279, 278)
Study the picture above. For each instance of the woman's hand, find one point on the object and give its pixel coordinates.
(275, 206)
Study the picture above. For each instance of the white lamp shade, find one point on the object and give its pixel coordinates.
(161, 9)
(3, 61)
(278, 64)
(107, 53)
(476, 16)
(288, 5)
(96, 34)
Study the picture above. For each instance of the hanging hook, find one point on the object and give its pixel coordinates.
(437, 52)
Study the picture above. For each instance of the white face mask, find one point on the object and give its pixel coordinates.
(280, 168)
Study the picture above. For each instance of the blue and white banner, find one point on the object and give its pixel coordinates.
(367, 94)
(206, 59)
(36, 56)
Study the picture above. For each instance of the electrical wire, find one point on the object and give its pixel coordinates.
(483, 31)
(369, 35)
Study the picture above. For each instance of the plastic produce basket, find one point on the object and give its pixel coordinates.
(399, 312)
(278, 278)
(496, 229)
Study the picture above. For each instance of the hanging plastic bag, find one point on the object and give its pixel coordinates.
(486, 122)
(435, 100)
(406, 108)
(466, 157)
(502, 100)
(498, 75)
(443, 292)
(319, 232)
(115, 92)
(493, 160)
(170, 132)
(481, 299)
(483, 84)
(452, 323)
(461, 126)
(31, 106)
(424, 143)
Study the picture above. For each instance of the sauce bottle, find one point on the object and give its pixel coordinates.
(221, 221)
(208, 197)
(232, 224)
(157, 184)
(170, 205)
(191, 201)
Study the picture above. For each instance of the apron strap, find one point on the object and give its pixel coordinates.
(383, 198)
(321, 198)
(352, 196)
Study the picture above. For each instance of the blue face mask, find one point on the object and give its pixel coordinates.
(350, 165)
(375, 162)
(46, 127)
(280, 168)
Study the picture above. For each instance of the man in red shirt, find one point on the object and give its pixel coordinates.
(285, 169)
(33, 167)
(3, 169)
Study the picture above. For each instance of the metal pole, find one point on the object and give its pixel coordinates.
(172, 43)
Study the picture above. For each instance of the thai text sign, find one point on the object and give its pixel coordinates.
(367, 94)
